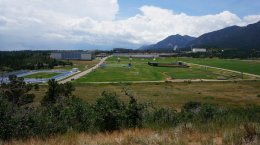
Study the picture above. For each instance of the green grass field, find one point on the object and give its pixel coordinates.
(174, 94)
(248, 66)
(80, 64)
(42, 75)
(141, 71)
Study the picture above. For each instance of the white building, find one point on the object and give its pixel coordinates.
(195, 50)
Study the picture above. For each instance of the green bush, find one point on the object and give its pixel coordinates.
(109, 112)
(61, 112)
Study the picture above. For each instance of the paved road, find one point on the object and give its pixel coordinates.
(85, 72)
(252, 75)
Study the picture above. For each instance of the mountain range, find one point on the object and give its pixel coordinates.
(247, 37)
(170, 43)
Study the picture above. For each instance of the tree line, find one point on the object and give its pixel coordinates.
(17, 60)
(60, 111)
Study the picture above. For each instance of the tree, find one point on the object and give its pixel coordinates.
(67, 89)
(17, 91)
(53, 93)
(57, 92)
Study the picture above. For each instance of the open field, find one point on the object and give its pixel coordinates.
(80, 64)
(141, 71)
(42, 75)
(248, 66)
(175, 94)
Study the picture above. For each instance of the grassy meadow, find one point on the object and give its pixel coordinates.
(174, 94)
(247, 66)
(168, 95)
(115, 71)
(229, 128)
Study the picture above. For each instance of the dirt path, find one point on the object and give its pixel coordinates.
(84, 72)
(172, 81)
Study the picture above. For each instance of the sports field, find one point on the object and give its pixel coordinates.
(42, 75)
(247, 66)
(141, 71)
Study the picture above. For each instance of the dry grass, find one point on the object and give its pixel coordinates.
(126, 137)
(176, 136)
(175, 94)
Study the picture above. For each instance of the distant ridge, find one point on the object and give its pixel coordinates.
(247, 37)
(169, 43)
(241, 38)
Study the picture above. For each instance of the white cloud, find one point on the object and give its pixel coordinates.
(251, 19)
(93, 22)
(154, 24)
(97, 9)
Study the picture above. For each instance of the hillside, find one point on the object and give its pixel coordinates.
(169, 43)
(231, 37)
(241, 38)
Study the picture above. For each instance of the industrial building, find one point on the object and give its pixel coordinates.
(72, 55)
(136, 55)
(195, 50)
(144, 55)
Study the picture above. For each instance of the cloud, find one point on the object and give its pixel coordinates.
(251, 19)
(3, 21)
(64, 24)
(154, 24)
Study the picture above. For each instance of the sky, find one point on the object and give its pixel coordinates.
(107, 24)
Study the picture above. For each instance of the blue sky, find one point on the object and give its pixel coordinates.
(193, 7)
(105, 24)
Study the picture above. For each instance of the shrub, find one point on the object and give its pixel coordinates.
(36, 87)
(208, 112)
(134, 113)
(109, 112)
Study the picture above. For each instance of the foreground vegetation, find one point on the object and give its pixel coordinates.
(60, 112)
(171, 136)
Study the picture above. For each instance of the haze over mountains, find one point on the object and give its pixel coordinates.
(247, 37)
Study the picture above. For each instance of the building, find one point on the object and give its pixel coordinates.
(72, 55)
(101, 55)
(75, 70)
(195, 50)
(137, 55)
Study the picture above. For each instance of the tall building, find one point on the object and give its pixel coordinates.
(72, 55)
